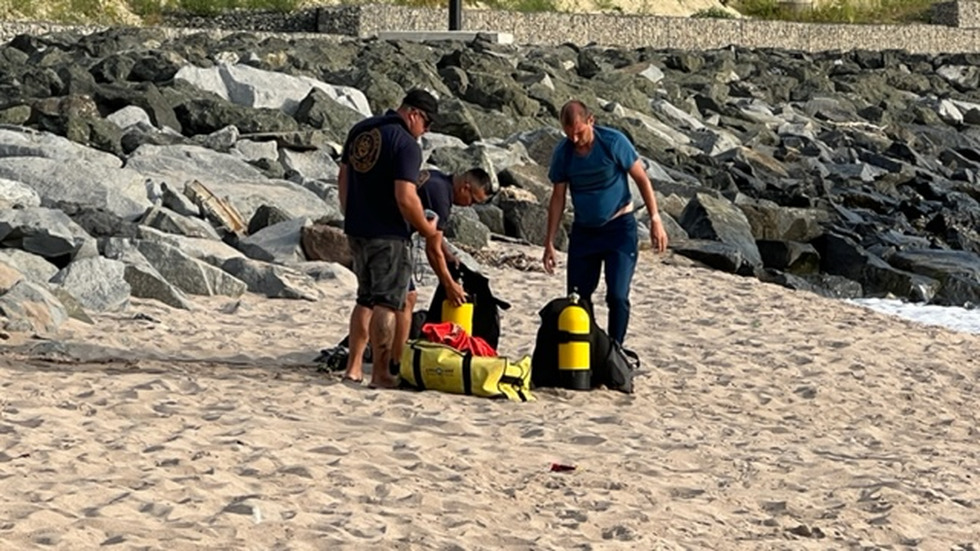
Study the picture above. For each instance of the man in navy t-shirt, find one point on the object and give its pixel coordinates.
(379, 171)
(594, 163)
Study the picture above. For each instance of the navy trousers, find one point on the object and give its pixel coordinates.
(613, 245)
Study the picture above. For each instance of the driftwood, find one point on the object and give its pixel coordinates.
(218, 210)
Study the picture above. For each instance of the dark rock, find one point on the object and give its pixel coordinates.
(206, 115)
(321, 111)
(958, 273)
(715, 254)
(492, 217)
(790, 256)
(113, 97)
(533, 178)
(96, 221)
(528, 220)
(707, 217)
(465, 228)
(323, 242)
(840, 255)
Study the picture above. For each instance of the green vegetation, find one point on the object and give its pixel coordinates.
(149, 11)
(839, 11)
(520, 5)
(508, 5)
(210, 7)
(713, 13)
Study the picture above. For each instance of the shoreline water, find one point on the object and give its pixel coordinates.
(956, 318)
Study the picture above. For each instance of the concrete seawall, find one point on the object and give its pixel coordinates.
(630, 31)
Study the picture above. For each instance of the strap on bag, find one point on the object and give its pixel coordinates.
(468, 374)
(516, 383)
(417, 368)
(567, 336)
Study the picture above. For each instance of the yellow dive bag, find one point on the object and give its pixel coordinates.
(430, 366)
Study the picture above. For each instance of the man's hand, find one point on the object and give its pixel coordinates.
(455, 293)
(658, 236)
(549, 258)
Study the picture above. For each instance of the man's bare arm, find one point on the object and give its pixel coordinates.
(342, 187)
(658, 236)
(406, 194)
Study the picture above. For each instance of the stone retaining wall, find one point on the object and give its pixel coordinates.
(631, 31)
(634, 31)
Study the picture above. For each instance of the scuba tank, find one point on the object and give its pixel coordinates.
(574, 327)
(461, 315)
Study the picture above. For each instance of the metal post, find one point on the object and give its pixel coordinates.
(455, 15)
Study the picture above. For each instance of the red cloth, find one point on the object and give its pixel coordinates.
(451, 334)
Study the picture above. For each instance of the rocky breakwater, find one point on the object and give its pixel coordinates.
(136, 165)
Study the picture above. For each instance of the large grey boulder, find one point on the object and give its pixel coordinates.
(710, 217)
(119, 191)
(252, 87)
(770, 221)
(166, 220)
(530, 177)
(17, 194)
(317, 164)
(9, 276)
(227, 176)
(45, 232)
(129, 116)
(321, 111)
(19, 141)
(525, 218)
(492, 217)
(34, 267)
(98, 283)
(32, 307)
(144, 280)
(539, 144)
(279, 243)
(271, 280)
(209, 251)
(188, 274)
(189, 161)
(328, 271)
(465, 228)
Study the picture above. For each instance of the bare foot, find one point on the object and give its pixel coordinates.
(351, 382)
(353, 375)
(384, 381)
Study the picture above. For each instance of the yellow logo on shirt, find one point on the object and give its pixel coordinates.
(365, 150)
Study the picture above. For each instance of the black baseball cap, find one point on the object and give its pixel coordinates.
(423, 101)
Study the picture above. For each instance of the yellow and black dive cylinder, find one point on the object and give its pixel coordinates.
(461, 315)
(574, 367)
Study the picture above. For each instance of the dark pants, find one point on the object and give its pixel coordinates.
(614, 245)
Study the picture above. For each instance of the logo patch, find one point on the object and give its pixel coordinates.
(365, 150)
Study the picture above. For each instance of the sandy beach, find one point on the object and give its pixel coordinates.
(763, 419)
